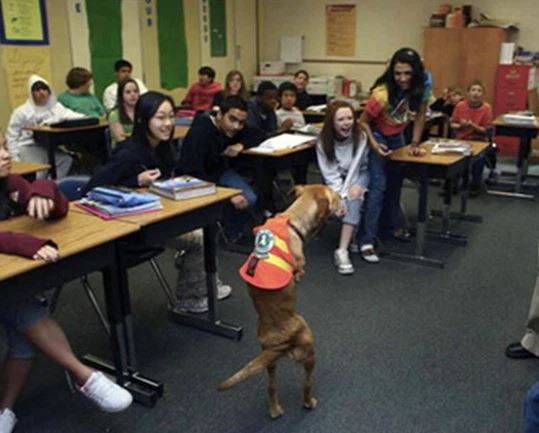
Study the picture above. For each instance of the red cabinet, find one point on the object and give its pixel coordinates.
(511, 95)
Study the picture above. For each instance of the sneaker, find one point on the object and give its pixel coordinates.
(105, 393)
(368, 254)
(193, 305)
(343, 263)
(353, 247)
(7, 421)
(223, 290)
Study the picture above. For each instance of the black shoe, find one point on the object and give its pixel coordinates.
(516, 351)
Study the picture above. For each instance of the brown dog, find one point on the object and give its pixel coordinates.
(281, 331)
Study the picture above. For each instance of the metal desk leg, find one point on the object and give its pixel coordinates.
(212, 323)
(419, 256)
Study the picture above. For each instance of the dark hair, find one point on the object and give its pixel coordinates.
(417, 85)
(146, 107)
(475, 83)
(265, 86)
(8, 207)
(40, 85)
(302, 71)
(207, 70)
(327, 135)
(122, 63)
(243, 90)
(77, 77)
(124, 118)
(231, 102)
(287, 86)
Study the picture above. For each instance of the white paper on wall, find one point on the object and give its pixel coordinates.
(292, 49)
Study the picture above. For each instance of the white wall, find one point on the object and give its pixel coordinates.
(382, 27)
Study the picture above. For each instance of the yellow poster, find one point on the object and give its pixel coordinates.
(22, 20)
(341, 30)
(19, 63)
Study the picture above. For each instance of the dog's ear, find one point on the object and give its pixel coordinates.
(296, 191)
(323, 209)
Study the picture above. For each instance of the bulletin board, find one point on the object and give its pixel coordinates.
(218, 28)
(23, 22)
(341, 30)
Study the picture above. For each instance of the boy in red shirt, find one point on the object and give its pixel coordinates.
(471, 120)
(200, 95)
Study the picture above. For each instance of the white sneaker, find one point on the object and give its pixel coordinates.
(223, 290)
(368, 254)
(193, 305)
(7, 421)
(343, 263)
(105, 393)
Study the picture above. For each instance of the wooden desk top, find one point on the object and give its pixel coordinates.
(181, 131)
(403, 154)
(22, 168)
(171, 208)
(74, 233)
(45, 128)
(281, 152)
(500, 122)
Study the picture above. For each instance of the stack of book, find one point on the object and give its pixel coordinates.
(524, 118)
(114, 202)
(183, 187)
(450, 146)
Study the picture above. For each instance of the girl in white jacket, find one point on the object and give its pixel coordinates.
(342, 157)
(41, 108)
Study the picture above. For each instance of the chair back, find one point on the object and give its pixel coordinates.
(71, 186)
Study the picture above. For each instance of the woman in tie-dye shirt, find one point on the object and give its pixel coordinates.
(402, 90)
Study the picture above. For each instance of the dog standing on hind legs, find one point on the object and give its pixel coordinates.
(271, 272)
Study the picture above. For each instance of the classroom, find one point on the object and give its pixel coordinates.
(332, 202)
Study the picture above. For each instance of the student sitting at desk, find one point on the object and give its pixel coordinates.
(234, 86)
(287, 93)
(147, 156)
(211, 150)
(301, 79)
(336, 150)
(446, 103)
(41, 108)
(122, 116)
(26, 321)
(471, 120)
(200, 95)
(261, 111)
(78, 96)
(122, 70)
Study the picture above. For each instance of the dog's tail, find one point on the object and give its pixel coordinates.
(255, 366)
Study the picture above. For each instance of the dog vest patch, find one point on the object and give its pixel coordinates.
(271, 265)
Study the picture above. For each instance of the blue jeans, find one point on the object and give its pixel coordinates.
(384, 191)
(531, 410)
(235, 221)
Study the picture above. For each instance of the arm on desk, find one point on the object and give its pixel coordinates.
(24, 245)
(42, 199)
(419, 123)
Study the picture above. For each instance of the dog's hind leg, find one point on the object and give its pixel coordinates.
(309, 402)
(275, 410)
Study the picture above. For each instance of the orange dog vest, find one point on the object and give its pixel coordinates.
(271, 265)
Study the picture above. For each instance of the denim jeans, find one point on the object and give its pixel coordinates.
(235, 220)
(531, 410)
(383, 199)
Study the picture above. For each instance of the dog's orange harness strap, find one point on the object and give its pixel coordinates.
(271, 265)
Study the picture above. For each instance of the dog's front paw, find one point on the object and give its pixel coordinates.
(299, 275)
(276, 411)
(311, 404)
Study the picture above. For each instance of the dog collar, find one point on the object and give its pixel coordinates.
(296, 230)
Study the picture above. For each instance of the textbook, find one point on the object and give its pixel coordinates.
(282, 141)
(525, 118)
(450, 146)
(183, 187)
(308, 129)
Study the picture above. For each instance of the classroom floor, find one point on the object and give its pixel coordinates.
(400, 348)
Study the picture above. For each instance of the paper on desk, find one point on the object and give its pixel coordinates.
(318, 108)
(282, 141)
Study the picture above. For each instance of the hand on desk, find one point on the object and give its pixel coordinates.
(418, 151)
(286, 125)
(47, 253)
(148, 176)
(239, 202)
(40, 207)
(233, 150)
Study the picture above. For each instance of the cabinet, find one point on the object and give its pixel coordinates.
(511, 95)
(456, 57)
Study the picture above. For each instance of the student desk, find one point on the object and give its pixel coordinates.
(525, 133)
(91, 136)
(27, 169)
(86, 244)
(429, 166)
(180, 131)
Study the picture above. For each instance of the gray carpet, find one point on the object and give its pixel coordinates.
(400, 348)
